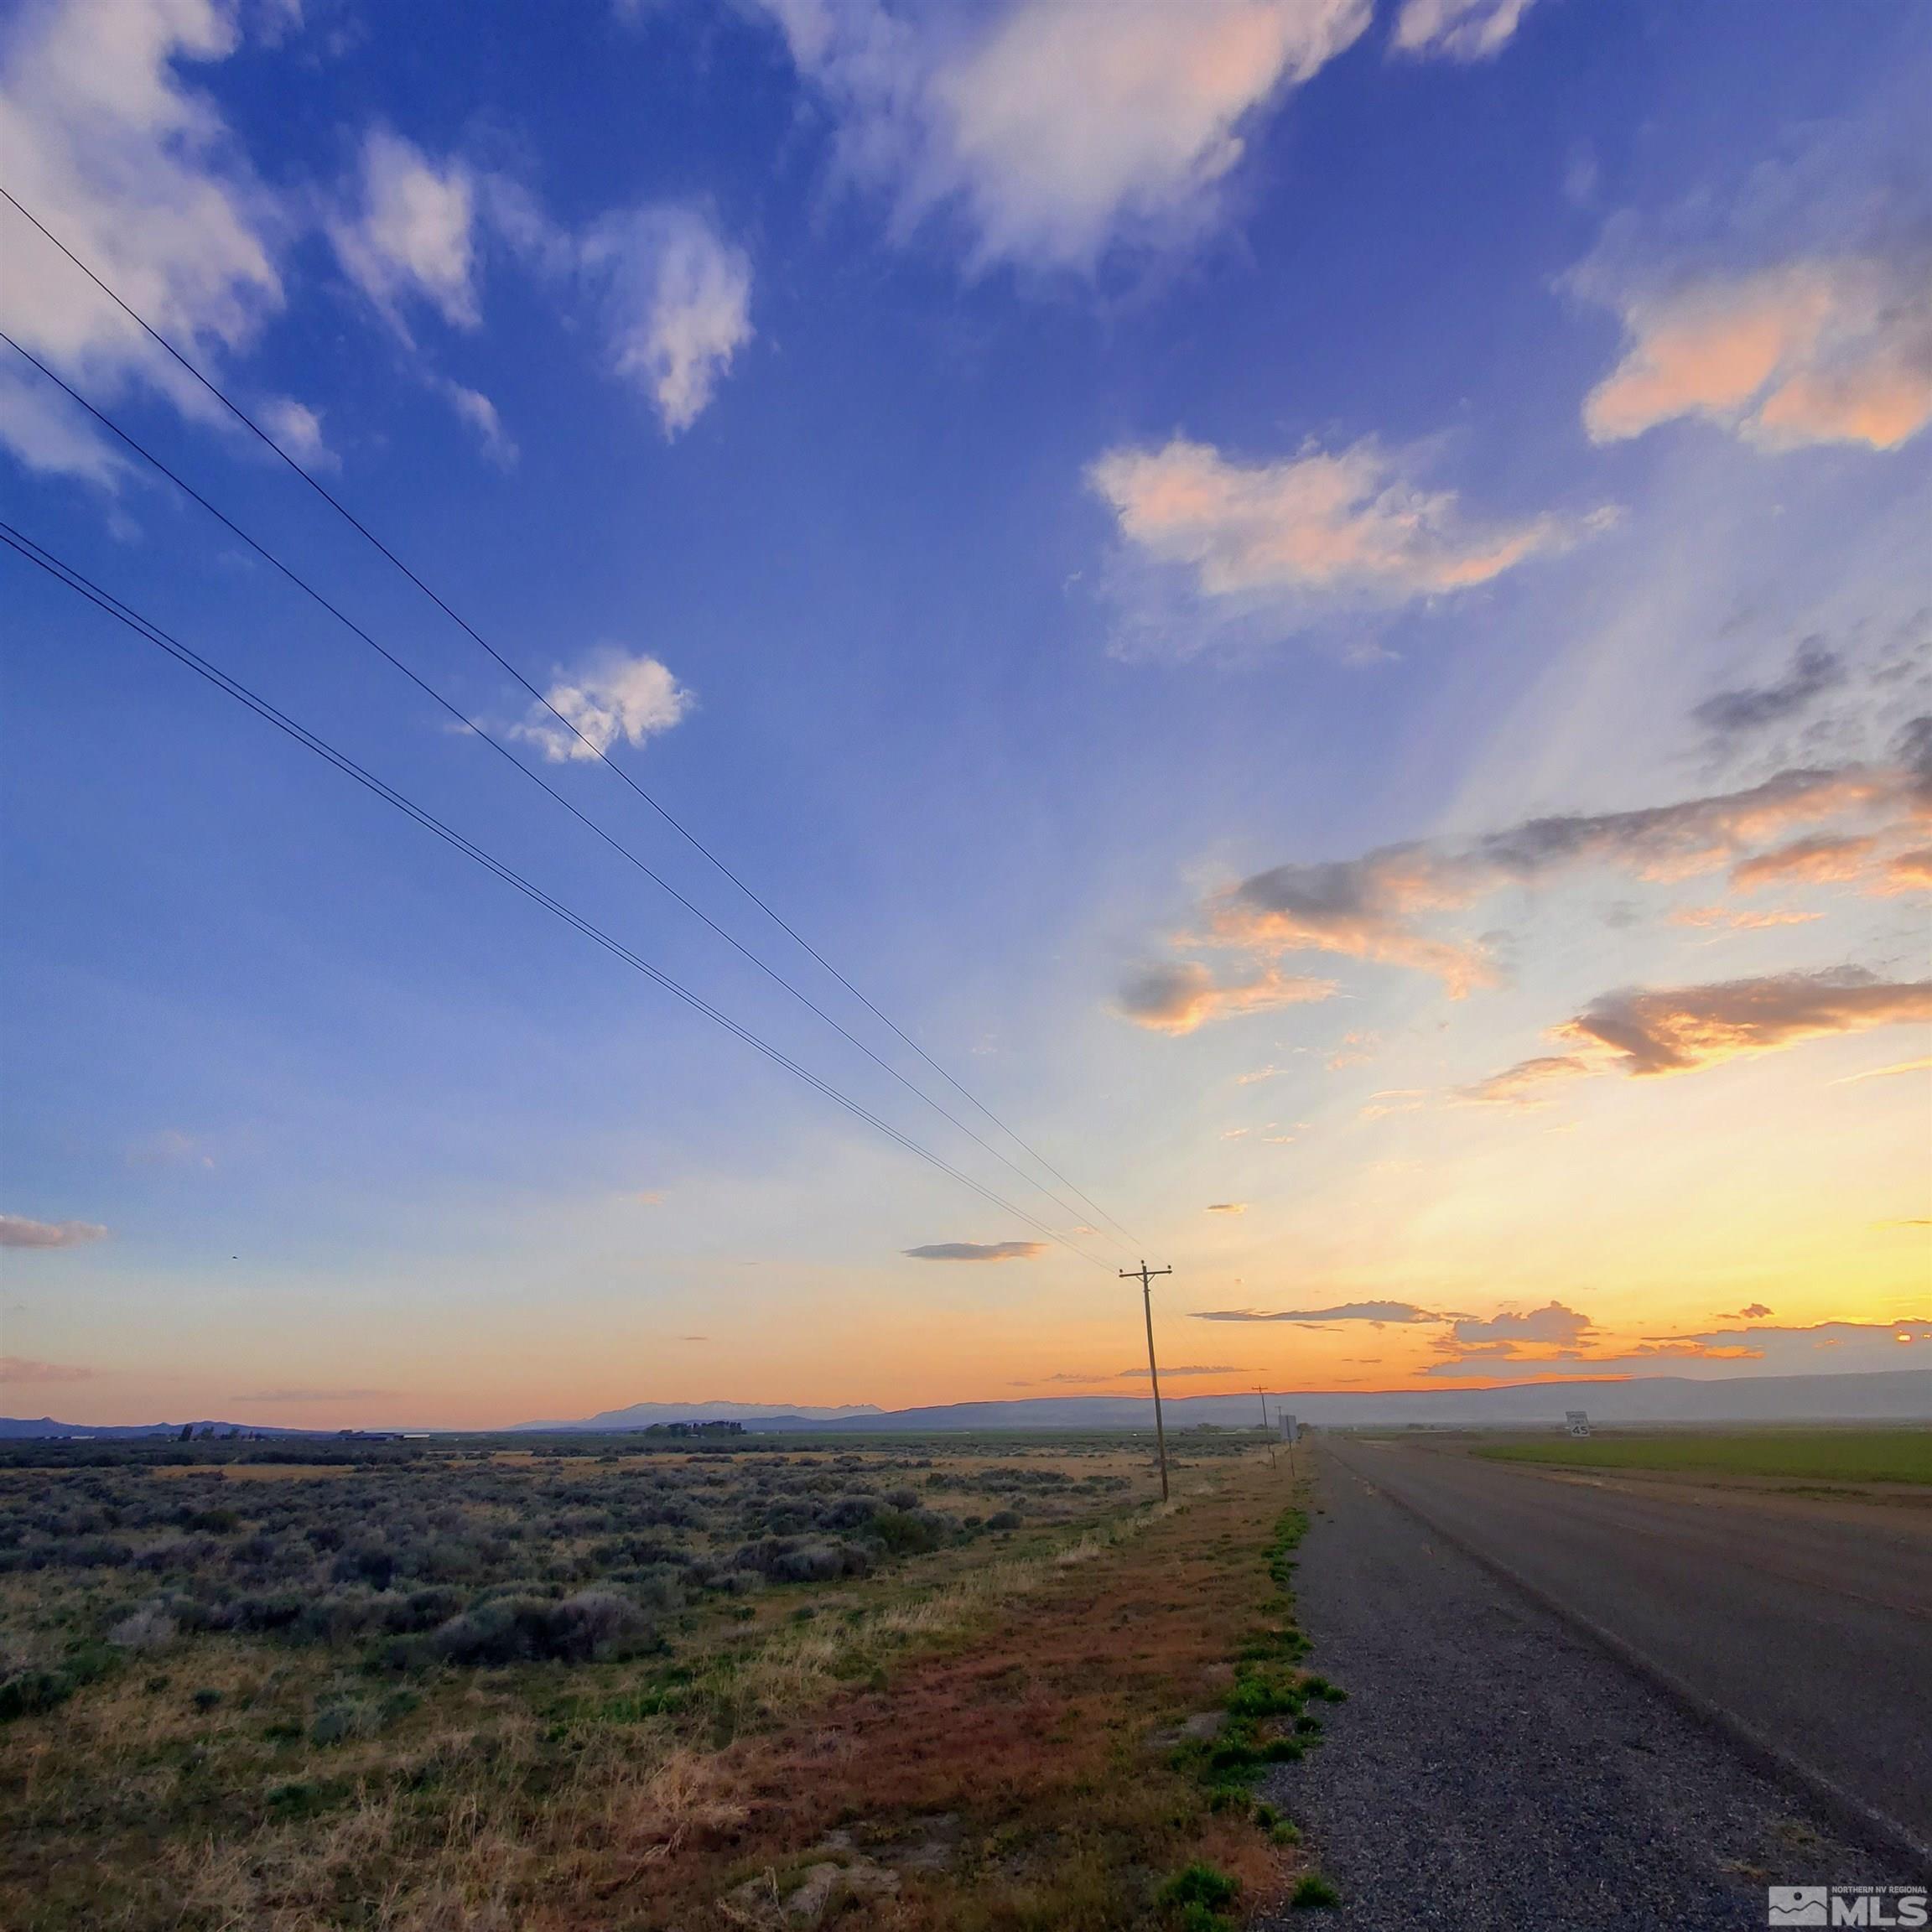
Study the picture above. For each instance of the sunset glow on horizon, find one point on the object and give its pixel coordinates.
(1306, 623)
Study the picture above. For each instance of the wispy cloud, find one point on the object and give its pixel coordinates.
(677, 303)
(475, 408)
(18, 1368)
(1056, 134)
(300, 1394)
(1383, 906)
(1815, 669)
(1527, 1084)
(1286, 542)
(1378, 1313)
(17, 1231)
(111, 146)
(1813, 350)
(1456, 29)
(977, 1251)
(1178, 997)
(1226, 1206)
(406, 233)
(1918, 1065)
(296, 430)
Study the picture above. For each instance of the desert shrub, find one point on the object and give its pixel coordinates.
(849, 1511)
(95, 1552)
(176, 1553)
(147, 1628)
(367, 1563)
(909, 1532)
(28, 1692)
(520, 1629)
(257, 1610)
(902, 1498)
(1004, 1519)
(449, 1559)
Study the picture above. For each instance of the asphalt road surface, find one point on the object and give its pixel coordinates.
(1495, 1770)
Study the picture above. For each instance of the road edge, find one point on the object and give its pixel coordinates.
(1852, 1813)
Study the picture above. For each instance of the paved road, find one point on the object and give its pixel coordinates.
(1493, 1771)
(1809, 1618)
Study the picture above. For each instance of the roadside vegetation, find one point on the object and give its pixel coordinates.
(1824, 1454)
(412, 1687)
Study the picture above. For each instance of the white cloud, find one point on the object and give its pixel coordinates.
(1312, 533)
(613, 698)
(297, 429)
(19, 1231)
(678, 304)
(103, 140)
(1815, 349)
(1057, 131)
(412, 235)
(1456, 29)
(480, 412)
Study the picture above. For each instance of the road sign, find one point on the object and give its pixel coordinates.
(1576, 1422)
(1287, 1428)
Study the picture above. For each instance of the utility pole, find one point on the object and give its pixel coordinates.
(1261, 1391)
(1144, 1275)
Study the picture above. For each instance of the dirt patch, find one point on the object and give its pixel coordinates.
(1030, 1743)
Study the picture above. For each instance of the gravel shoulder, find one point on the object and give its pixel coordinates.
(1492, 1771)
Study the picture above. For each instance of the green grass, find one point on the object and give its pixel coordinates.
(1841, 1455)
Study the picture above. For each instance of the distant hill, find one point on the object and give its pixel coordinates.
(1892, 1395)
(18, 1428)
(643, 1414)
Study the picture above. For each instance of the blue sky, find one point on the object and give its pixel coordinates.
(1124, 524)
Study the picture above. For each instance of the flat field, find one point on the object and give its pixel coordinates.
(592, 1683)
(1825, 1455)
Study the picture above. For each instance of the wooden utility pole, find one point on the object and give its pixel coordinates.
(1260, 1389)
(1144, 1275)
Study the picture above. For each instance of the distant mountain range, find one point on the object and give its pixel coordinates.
(643, 1414)
(1892, 1395)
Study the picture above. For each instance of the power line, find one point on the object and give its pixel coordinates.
(104, 600)
(342, 509)
(471, 727)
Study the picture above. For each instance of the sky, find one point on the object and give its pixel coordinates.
(1322, 605)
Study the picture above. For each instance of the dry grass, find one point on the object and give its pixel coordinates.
(977, 1721)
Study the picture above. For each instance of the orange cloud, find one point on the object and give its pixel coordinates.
(1907, 872)
(1527, 1084)
(1742, 922)
(1808, 351)
(1177, 998)
(1681, 1029)
(1347, 524)
(1821, 859)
